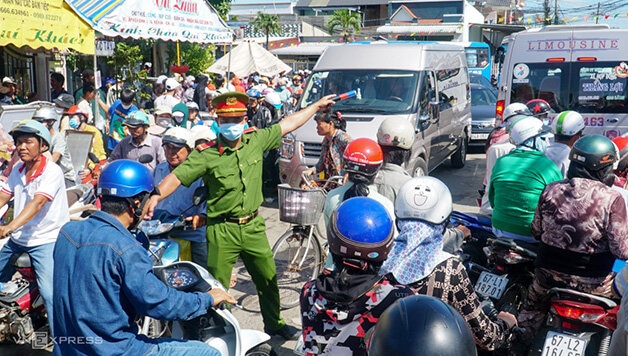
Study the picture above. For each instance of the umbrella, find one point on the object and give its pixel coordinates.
(247, 58)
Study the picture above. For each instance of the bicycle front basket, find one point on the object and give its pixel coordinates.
(300, 206)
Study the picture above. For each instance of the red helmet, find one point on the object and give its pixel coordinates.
(622, 145)
(539, 107)
(363, 155)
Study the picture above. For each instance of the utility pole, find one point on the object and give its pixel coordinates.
(556, 12)
(597, 16)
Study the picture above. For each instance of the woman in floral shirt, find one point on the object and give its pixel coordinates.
(331, 125)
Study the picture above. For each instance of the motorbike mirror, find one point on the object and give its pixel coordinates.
(200, 195)
(93, 157)
(145, 158)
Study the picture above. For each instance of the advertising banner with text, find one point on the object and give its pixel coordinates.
(168, 20)
(44, 24)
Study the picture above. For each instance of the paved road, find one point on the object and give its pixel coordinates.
(463, 184)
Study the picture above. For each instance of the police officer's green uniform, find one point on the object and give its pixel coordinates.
(234, 179)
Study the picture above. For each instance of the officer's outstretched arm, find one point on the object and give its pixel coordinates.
(166, 187)
(294, 121)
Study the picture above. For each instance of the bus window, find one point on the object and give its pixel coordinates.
(479, 58)
(601, 89)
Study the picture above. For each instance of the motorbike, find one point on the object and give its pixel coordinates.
(22, 310)
(578, 323)
(506, 271)
(218, 328)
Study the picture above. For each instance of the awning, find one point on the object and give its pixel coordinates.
(188, 21)
(420, 29)
(247, 58)
(44, 24)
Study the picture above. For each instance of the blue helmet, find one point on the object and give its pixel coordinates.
(31, 127)
(254, 93)
(125, 178)
(360, 228)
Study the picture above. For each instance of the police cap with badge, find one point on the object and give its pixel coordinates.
(231, 104)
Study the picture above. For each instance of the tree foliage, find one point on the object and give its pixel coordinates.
(222, 7)
(346, 22)
(268, 24)
(197, 56)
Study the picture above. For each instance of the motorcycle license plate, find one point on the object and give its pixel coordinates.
(561, 344)
(491, 285)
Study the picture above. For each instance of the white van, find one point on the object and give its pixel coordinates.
(581, 68)
(435, 99)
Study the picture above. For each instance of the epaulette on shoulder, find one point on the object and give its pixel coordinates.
(250, 129)
(206, 145)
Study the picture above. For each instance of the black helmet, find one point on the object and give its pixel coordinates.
(360, 228)
(594, 152)
(420, 325)
(539, 107)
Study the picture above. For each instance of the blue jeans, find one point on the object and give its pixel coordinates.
(174, 347)
(43, 264)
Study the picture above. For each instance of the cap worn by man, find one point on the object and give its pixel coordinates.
(231, 104)
(8, 80)
(65, 101)
(171, 84)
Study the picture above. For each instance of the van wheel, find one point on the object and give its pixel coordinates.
(420, 168)
(459, 158)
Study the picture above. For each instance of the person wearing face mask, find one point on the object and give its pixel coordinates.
(139, 142)
(118, 113)
(180, 115)
(518, 179)
(78, 121)
(231, 166)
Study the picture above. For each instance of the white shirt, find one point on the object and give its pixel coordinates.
(166, 100)
(559, 153)
(495, 151)
(48, 182)
(86, 107)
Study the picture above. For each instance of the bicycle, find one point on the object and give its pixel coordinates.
(302, 249)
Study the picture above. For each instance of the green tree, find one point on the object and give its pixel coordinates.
(222, 7)
(267, 24)
(197, 57)
(347, 22)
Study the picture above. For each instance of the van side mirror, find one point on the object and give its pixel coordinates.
(433, 110)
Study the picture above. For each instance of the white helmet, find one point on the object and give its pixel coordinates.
(46, 113)
(273, 99)
(202, 132)
(178, 136)
(396, 132)
(425, 198)
(515, 110)
(568, 123)
(525, 128)
(171, 84)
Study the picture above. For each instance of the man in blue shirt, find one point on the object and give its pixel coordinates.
(103, 277)
(118, 113)
(178, 143)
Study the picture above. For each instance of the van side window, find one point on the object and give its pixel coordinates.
(428, 93)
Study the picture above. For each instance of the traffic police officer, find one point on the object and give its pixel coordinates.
(231, 167)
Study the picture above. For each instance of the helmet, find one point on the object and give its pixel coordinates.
(46, 113)
(363, 155)
(273, 99)
(568, 123)
(420, 325)
(515, 109)
(254, 93)
(171, 84)
(31, 127)
(202, 132)
(525, 128)
(125, 178)
(178, 137)
(539, 107)
(161, 79)
(396, 132)
(594, 152)
(64, 100)
(137, 118)
(360, 228)
(192, 105)
(425, 198)
(75, 110)
(622, 146)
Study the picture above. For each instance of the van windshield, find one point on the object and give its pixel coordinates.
(587, 87)
(389, 91)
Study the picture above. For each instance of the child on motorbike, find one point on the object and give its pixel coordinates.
(582, 226)
(417, 259)
(337, 309)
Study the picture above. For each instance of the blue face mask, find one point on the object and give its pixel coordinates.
(231, 131)
(74, 123)
(282, 87)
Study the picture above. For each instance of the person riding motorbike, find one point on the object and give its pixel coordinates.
(518, 179)
(567, 127)
(332, 127)
(59, 150)
(420, 325)
(540, 109)
(100, 254)
(339, 307)
(582, 226)
(40, 207)
(417, 259)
